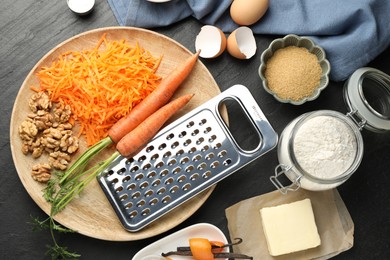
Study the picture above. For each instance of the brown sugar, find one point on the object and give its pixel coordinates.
(293, 73)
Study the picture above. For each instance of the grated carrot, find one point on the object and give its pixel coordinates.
(100, 85)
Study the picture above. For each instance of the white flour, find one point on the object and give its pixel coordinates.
(325, 147)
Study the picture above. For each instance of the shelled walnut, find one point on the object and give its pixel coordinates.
(41, 172)
(59, 139)
(64, 126)
(36, 148)
(62, 114)
(28, 130)
(59, 160)
(69, 143)
(40, 101)
(42, 119)
(51, 138)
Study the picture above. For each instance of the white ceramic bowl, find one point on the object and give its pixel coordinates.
(294, 40)
(180, 238)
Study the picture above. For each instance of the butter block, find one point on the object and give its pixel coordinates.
(290, 227)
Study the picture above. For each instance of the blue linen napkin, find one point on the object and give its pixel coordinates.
(352, 32)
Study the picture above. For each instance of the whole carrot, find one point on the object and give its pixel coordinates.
(159, 97)
(136, 139)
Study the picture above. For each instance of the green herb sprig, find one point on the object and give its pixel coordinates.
(55, 251)
(63, 188)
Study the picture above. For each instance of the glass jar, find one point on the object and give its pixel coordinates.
(320, 150)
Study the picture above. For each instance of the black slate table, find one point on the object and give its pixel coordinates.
(29, 29)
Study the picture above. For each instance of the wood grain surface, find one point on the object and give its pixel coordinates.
(91, 214)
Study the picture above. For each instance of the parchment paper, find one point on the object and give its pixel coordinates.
(333, 220)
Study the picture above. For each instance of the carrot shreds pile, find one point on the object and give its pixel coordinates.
(100, 85)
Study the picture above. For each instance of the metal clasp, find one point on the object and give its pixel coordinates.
(355, 118)
(282, 169)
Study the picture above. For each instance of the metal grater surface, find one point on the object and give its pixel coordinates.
(185, 158)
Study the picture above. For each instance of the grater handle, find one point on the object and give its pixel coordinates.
(268, 136)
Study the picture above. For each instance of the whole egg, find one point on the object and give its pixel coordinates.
(248, 12)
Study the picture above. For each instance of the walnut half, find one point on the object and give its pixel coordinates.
(59, 160)
(62, 114)
(69, 143)
(28, 130)
(41, 172)
(42, 119)
(40, 101)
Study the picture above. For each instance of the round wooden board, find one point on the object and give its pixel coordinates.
(91, 214)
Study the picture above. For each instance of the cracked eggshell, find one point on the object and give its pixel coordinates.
(211, 42)
(248, 12)
(241, 43)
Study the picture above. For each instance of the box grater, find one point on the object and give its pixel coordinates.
(186, 157)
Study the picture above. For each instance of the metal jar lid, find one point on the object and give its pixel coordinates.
(367, 94)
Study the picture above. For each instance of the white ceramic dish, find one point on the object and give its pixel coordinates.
(180, 238)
